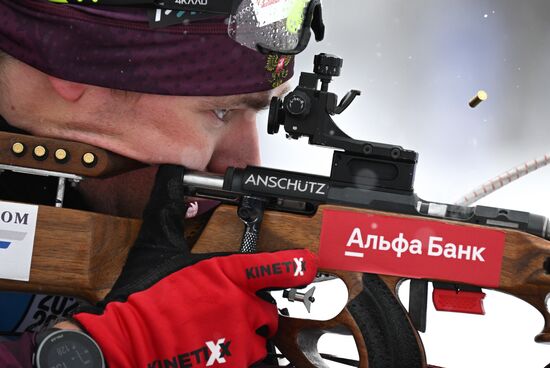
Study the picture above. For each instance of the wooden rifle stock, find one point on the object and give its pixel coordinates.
(81, 254)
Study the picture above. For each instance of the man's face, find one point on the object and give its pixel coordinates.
(200, 133)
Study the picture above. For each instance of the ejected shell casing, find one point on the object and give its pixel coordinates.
(478, 98)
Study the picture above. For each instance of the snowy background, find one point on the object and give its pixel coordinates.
(418, 63)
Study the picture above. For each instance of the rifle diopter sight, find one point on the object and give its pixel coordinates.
(307, 111)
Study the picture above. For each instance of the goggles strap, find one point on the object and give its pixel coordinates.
(160, 18)
(222, 7)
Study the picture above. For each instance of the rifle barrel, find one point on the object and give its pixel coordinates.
(201, 179)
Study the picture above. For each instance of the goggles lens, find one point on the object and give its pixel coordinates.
(277, 25)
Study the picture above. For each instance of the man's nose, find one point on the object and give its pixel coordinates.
(239, 145)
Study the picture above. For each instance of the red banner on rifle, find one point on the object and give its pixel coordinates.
(411, 247)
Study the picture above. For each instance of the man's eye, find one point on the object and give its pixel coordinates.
(222, 113)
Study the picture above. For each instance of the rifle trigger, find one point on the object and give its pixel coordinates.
(418, 303)
(459, 301)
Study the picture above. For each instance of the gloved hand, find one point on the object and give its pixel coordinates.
(169, 305)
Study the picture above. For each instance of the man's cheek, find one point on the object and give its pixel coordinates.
(195, 154)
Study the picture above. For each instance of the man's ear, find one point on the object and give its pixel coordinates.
(70, 91)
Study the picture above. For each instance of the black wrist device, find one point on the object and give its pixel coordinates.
(66, 349)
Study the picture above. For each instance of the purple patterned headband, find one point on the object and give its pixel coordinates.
(115, 48)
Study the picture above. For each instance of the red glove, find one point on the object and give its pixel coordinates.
(173, 307)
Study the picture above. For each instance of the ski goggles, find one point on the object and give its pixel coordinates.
(267, 26)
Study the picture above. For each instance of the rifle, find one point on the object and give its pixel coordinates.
(364, 221)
